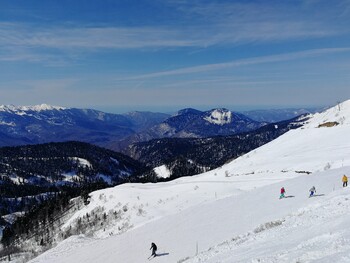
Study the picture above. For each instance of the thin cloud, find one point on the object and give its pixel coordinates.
(242, 62)
(19, 35)
(199, 25)
(93, 37)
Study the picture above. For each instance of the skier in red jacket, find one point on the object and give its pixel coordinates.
(283, 191)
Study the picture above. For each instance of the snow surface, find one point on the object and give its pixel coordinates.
(7, 123)
(22, 109)
(70, 177)
(11, 218)
(219, 117)
(81, 161)
(233, 213)
(162, 171)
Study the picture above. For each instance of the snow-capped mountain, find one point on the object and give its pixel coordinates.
(45, 123)
(191, 123)
(23, 109)
(233, 213)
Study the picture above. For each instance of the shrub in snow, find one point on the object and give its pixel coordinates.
(268, 225)
(140, 211)
(124, 227)
(125, 208)
(183, 260)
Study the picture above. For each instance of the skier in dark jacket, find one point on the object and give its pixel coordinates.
(154, 249)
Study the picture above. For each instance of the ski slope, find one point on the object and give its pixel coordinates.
(317, 232)
(233, 214)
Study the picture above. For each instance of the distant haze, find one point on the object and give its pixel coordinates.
(237, 108)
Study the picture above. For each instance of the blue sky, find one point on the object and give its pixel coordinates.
(163, 55)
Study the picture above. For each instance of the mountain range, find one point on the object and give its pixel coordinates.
(44, 123)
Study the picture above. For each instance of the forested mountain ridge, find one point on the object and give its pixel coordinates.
(188, 156)
(31, 174)
(64, 163)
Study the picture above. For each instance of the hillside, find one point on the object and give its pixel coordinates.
(225, 210)
(29, 175)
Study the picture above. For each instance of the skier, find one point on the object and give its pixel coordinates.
(283, 191)
(312, 191)
(345, 180)
(154, 249)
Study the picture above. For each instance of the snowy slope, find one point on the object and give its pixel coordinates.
(318, 232)
(214, 223)
(234, 210)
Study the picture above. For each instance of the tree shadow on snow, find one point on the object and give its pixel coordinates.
(162, 254)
